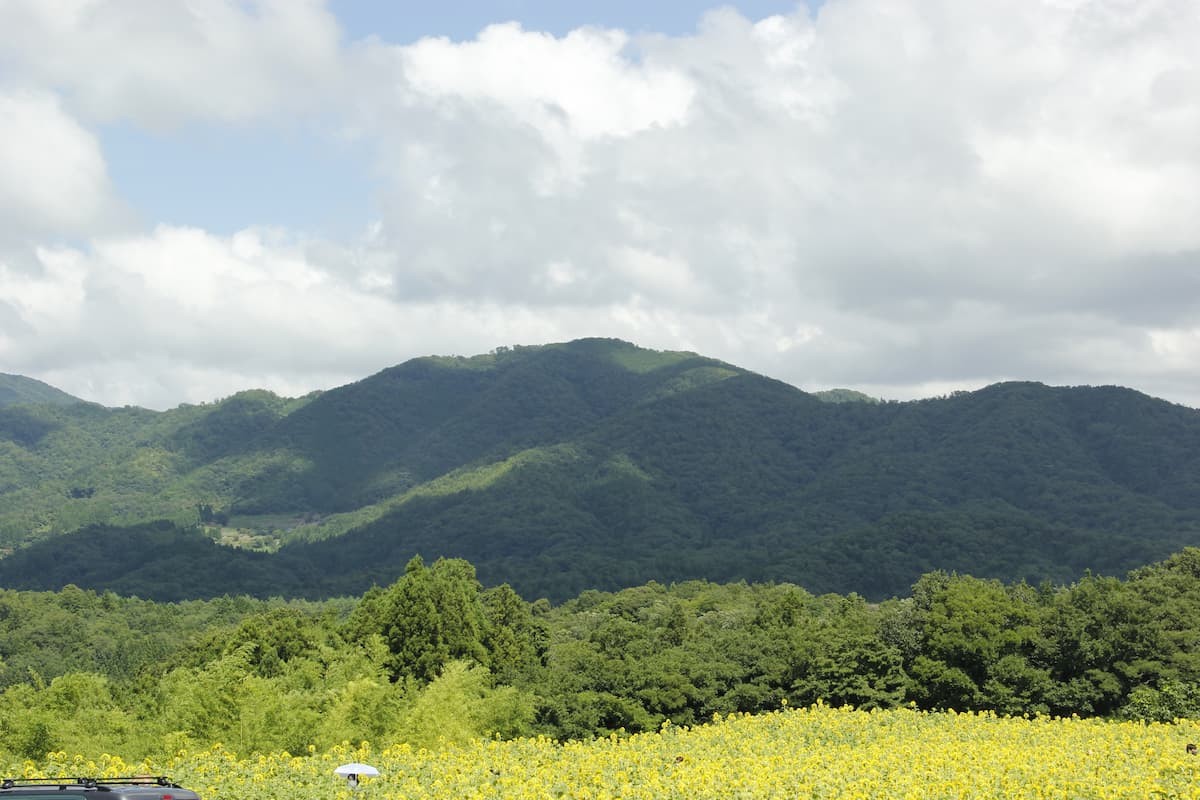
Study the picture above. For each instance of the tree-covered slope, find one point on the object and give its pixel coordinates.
(844, 396)
(749, 479)
(597, 464)
(414, 422)
(17, 389)
(63, 467)
(367, 442)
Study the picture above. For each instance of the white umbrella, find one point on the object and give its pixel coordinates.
(356, 769)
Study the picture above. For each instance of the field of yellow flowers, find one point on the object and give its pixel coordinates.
(818, 752)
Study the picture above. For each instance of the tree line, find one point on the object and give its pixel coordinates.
(435, 656)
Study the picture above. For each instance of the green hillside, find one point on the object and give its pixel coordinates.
(594, 464)
(17, 389)
(844, 396)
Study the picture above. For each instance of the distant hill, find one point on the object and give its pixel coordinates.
(16, 389)
(844, 396)
(594, 464)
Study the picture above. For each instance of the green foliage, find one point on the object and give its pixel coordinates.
(17, 389)
(514, 640)
(76, 630)
(434, 657)
(461, 704)
(432, 616)
(1169, 701)
(157, 561)
(978, 637)
(842, 659)
(595, 464)
(844, 396)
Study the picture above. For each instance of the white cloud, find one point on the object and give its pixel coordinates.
(182, 315)
(582, 85)
(53, 180)
(890, 196)
(164, 63)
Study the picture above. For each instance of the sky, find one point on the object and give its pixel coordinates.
(903, 197)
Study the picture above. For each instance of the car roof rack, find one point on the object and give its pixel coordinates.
(92, 783)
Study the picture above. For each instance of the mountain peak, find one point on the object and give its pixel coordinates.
(18, 389)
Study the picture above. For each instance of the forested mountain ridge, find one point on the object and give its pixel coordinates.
(17, 389)
(373, 440)
(597, 464)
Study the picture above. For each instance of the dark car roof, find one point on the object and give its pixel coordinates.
(135, 788)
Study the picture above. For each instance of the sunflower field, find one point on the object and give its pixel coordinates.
(816, 752)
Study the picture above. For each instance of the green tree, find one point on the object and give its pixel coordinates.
(433, 615)
(981, 646)
(460, 704)
(515, 641)
(843, 660)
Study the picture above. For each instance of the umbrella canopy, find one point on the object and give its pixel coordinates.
(356, 769)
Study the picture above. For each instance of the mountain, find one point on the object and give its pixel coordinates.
(844, 396)
(594, 464)
(17, 389)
